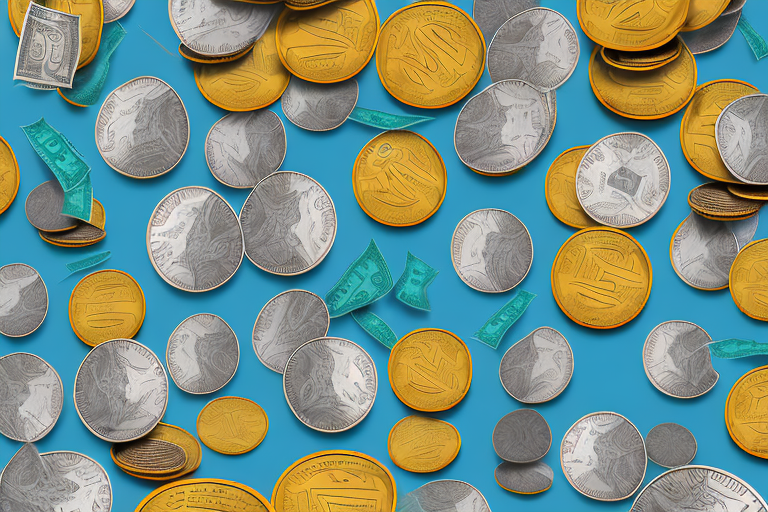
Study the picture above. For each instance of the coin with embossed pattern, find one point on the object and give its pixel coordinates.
(116, 9)
(23, 300)
(232, 425)
(319, 107)
(43, 208)
(748, 280)
(171, 434)
(150, 457)
(670, 445)
(522, 436)
(560, 189)
(9, 175)
(191, 494)
(713, 36)
(423, 445)
(491, 14)
(702, 12)
(713, 200)
(531, 478)
(745, 416)
(742, 138)
(444, 495)
(645, 60)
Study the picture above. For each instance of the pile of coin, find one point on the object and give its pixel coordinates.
(522, 438)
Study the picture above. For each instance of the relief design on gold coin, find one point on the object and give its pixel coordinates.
(560, 189)
(423, 445)
(746, 412)
(194, 494)
(703, 12)
(748, 280)
(232, 425)
(9, 175)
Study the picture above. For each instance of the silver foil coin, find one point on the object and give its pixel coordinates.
(712, 36)
(319, 107)
(23, 300)
(43, 208)
(741, 133)
(531, 478)
(703, 251)
(670, 445)
(444, 496)
(491, 14)
(522, 436)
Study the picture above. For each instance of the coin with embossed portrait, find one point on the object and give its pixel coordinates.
(23, 300)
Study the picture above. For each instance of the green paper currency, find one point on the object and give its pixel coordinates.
(78, 202)
(58, 153)
(494, 329)
(411, 288)
(364, 282)
(754, 40)
(383, 120)
(736, 348)
(375, 326)
(88, 262)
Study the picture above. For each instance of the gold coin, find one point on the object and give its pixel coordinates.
(748, 280)
(645, 60)
(192, 55)
(703, 12)
(232, 425)
(631, 25)
(301, 5)
(430, 370)
(423, 445)
(209, 494)
(430, 54)
(252, 82)
(330, 43)
(746, 415)
(335, 480)
(177, 436)
(697, 129)
(754, 192)
(9, 175)
(601, 278)
(149, 456)
(106, 305)
(650, 94)
(91, 21)
(399, 178)
(714, 200)
(560, 189)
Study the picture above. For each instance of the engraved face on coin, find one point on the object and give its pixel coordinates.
(232, 425)
(289, 223)
(319, 107)
(9, 175)
(748, 280)
(202, 354)
(560, 189)
(121, 390)
(32, 397)
(745, 415)
(670, 445)
(149, 456)
(330, 384)
(43, 208)
(116, 9)
(423, 445)
(243, 148)
(194, 239)
(441, 495)
(491, 250)
(713, 36)
(190, 494)
(676, 360)
(531, 478)
(491, 14)
(742, 138)
(23, 300)
(522, 436)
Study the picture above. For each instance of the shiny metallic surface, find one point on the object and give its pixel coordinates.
(319, 107)
(491, 14)
(531, 478)
(522, 436)
(744, 229)
(116, 9)
(444, 496)
(703, 251)
(712, 36)
(670, 445)
(43, 208)
(742, 138)
(23, 300)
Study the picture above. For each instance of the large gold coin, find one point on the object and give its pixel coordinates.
(430, 370)
(423, 445)
(703, 12)
(232, 425)
(650, 94)
(697, 129)
(430, 54)
(399, 178)
(210, 494)
(560, 189)
(9, 175)
(251, 82)
(91, 21)
(328, 44)
(746, 414)
(337, 480)
(645, 60)
(601, 278)
(106, 305)
(631, 25)
(748, 280)
(177, 436)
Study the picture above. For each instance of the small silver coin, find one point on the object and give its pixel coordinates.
(286, 322)
(243, 148)
(603, 456)
(522, 436)
(703, 251)
(503, 128)
(43, 208)
(531, 478)
(491, 250)
(142, 129)
(712, 36)
(623, 180)
(23, 300)
(491, 14)
(698, 489)
(670, 445)
(31, 399)
(319, 107)
(121, 390)
(330, 384)
(116, 9)
(538, 46)
(194, 239)
(537, 368)
(444, 496)
(741, 132)
(676, 360)
(744, 230)
(202, 354)
(734, 6)
(289, 223)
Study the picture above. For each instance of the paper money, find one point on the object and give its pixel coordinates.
(88, 262)
(411, 288)
(494, 329)
(365, 281)
(375, 326)
(78, 202)
(736, 348)
(754, 40)
(58, 153)
(385, 121)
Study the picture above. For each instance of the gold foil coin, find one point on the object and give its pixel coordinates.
(232, 425)
(703, 12)
(150, 456)
(754, 192)
(746, 416)
(560, 189)
(645, 60)
(748, 280)
(177, 436)
(209, 494)
(423, 445)
(9, 175)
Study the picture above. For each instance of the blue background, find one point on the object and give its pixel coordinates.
(608, 368)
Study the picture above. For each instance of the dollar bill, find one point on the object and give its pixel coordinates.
(385, 121)
(88, 262)
(411, 288)
(365, 281)
(61, 157)
(78, 202)
(494, 329)
(375, 326)
(735, 348)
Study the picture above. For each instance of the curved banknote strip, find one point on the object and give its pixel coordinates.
(383, 120)
(88, 262)
(375, 326)
(754, 40)
(495, 327)
(411, 288)
(734, 348)
(365, 281)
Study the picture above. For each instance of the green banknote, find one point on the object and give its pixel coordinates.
(78, 202)
(494, 329)
(365, 281)
(383, 120)
(88, 262)
(736, 348)
(58, 153)
(411, 288)
(375, 326)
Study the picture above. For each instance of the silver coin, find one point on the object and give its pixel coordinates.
(194, 239)
(286, 322)
(142, 129)
(603, 456)
(712, 36)
(491, 250)
(623, 180)
(741, 132)
(522, 436)
(216, 28)
(676, 360)
(319, 107)
(539, 46)
(116, 9)
(289, 223)
(31, 397)
(537, 368)
(330, 384)
(243, 148)
(444, 496)
(23, 300)
(703, 251)
(121, 390)
(43, 208)
(202, 354)
(531, 478)
(491, 14)
(734, 6)
(744, 230)
(503, 128)
(670, 445)
(698, 489)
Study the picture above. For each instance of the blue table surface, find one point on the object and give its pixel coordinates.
(608, 374)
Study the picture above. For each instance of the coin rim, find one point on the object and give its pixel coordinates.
(218, 449)
(690, 28)
(309, 7)
(193, 56)
(616, 64)
(672, 256)
(47, 302)
(485, 500)
(730, 279)
(695, 444)
(517, 411)
(121, 14)
(305, 127)
(18, 175)
(161, 478)
(428, 419)
(754, 196)
(127, 468)
(550, 202)
(26, 213)
(192, 481)
(744, 214)
(729, 425)
(495, 477)
(740, 179)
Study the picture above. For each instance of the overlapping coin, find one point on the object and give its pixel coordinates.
(445, 495)
(748, 280)
(151, 457)
(643, 60)
(714, 201)
(491, 14)
(23, 300)
(745, 416)
(116, 9)
(670, 445)
(702, 252)
(83, 234)
(9, 175)
(423, 445)
(319, 107)
(170, 434)
(189, 494)
(522, 436)
(714, 35)
(560, 189)
(742, 138)
(43, 208)
(531, 478)
(702, 12)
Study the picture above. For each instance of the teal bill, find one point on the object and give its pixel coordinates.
(78, 202)
(385, 121)
(61, 157)
(375, 326)
(365, 281)
(754, 40)
(494, 329)
(411, 288)
(736, 348)
(88, 262)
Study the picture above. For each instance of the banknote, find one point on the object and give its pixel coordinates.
(411, 288)
(66, 163)
(754, 40)
(494, 329)
(375, 326)
(78, 202)
(365, 281)
(88, 262)
(385, 121)
(735, 348)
